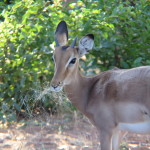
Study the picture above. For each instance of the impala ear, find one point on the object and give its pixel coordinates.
(86, 44)
(61, 34)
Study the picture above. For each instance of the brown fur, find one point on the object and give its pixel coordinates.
(108, 99)
(118, 99)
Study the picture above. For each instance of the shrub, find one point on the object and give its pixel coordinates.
(27, 40)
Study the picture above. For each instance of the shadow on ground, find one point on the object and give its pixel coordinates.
(61, 133)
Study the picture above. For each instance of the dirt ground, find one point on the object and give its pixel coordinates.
(61, 133)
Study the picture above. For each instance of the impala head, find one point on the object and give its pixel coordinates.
(66, 58)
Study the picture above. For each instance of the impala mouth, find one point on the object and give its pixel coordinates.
(56, 89)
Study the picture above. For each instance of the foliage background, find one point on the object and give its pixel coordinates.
(121, 30)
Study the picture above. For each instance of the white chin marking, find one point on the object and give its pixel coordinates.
(58, 89)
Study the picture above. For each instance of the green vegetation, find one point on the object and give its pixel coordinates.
(121, 30)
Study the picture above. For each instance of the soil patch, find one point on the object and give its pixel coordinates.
(61, 133)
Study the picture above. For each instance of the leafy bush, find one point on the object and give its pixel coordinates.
(27, 40)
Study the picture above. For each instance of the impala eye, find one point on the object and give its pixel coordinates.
(72, 61)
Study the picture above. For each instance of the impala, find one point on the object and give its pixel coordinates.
(114, 100)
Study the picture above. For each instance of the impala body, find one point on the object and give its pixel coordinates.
(114, 100)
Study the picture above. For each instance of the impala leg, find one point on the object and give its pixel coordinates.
(116, 139)
(106, 140)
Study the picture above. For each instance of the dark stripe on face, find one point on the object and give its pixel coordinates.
(64, 48)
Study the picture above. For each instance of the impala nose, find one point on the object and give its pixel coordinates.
(56, 84)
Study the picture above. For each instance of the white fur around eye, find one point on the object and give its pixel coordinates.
(69, 61)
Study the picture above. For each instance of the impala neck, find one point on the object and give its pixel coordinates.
(77, 91)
